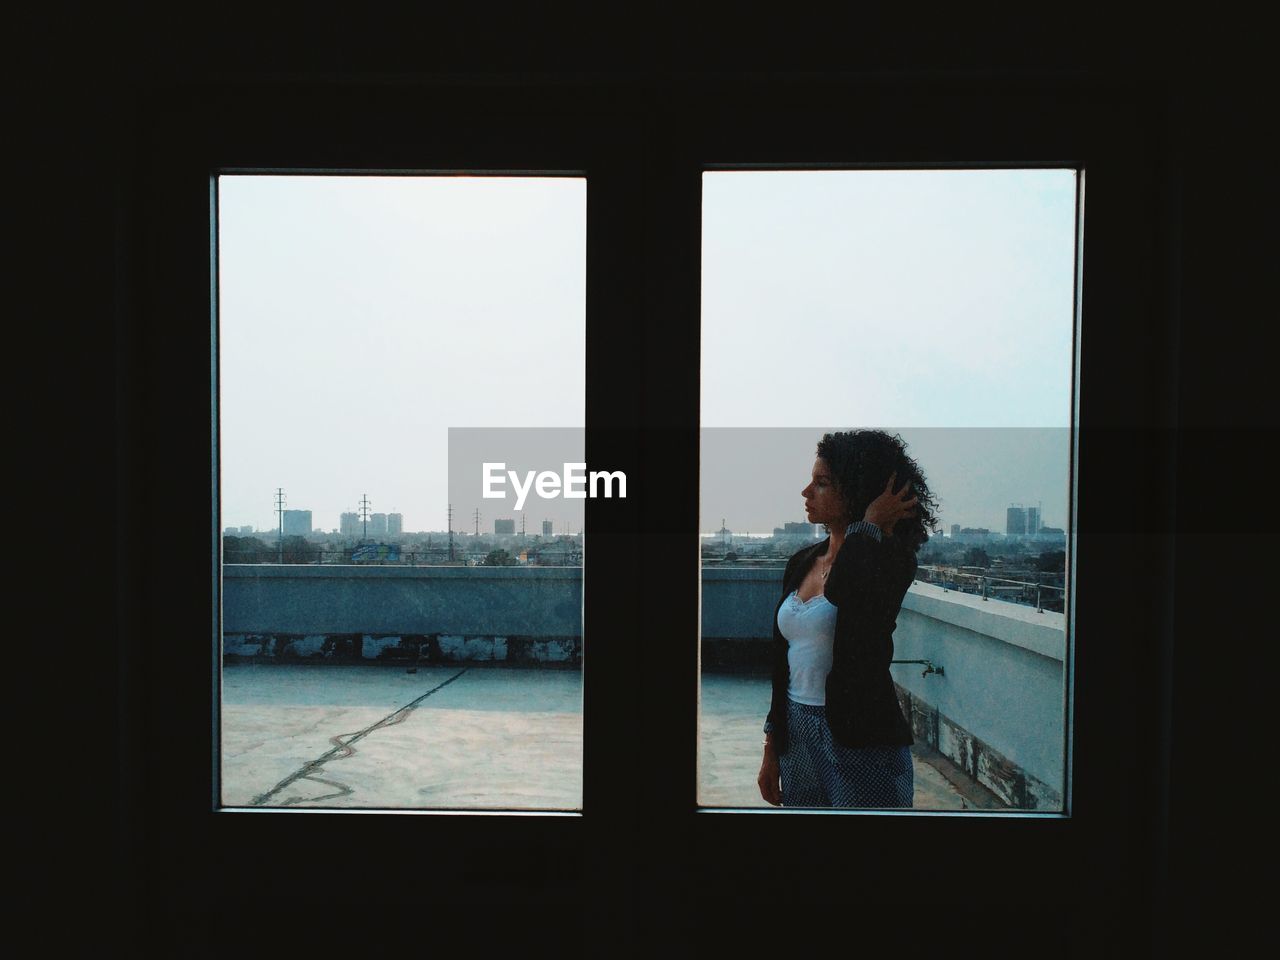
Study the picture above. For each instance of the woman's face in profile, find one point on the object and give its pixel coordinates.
(822, 503)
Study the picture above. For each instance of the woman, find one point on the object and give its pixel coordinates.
(835, 735)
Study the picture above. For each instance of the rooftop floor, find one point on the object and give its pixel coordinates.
(479, 737)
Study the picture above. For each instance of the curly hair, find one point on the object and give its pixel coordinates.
(862, 461)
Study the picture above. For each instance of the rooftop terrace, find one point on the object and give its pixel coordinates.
(478, 736)
(461, 687)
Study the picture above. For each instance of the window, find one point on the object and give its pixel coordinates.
(644, 158)
(937, 307)
(364, 322)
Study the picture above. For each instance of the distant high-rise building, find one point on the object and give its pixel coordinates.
(546, 528)
(395, 523)
(246, 530)
(955, 530)
(297, 523)
(349, 525)
(504, 526)
(1015, 524)
(377, 524)
(1033, 520)
(797, 529)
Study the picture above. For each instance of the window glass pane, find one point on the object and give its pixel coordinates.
(382, 649)
(925, 320)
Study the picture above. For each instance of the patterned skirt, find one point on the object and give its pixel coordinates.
(819, 772)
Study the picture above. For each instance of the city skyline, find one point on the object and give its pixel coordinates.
(536, 529)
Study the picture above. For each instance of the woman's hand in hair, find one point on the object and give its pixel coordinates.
(890, 507)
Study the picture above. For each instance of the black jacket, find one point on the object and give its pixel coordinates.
(866, 584)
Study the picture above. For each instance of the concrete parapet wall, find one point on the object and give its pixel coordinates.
(737, 603)
(388, 601)
(399, 649)
(355, 614)
(1000, 699)
(1014, 786)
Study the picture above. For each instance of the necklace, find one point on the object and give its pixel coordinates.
(830, 564)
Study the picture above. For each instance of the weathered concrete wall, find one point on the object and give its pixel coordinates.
(533, 601)
(738, 603)
(409, 648)
(430, 614)
(998, 710)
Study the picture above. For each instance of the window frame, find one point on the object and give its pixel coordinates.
(641, 855)
(216, 644)
(1073, 427)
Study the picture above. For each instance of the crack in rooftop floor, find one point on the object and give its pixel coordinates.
(344, 748)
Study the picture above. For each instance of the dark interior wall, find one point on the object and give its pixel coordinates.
(113, 94)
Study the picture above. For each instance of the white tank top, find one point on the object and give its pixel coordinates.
(810, 629)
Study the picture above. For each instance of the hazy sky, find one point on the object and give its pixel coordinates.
(361, 317)
(913, 298)
(897, 299)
